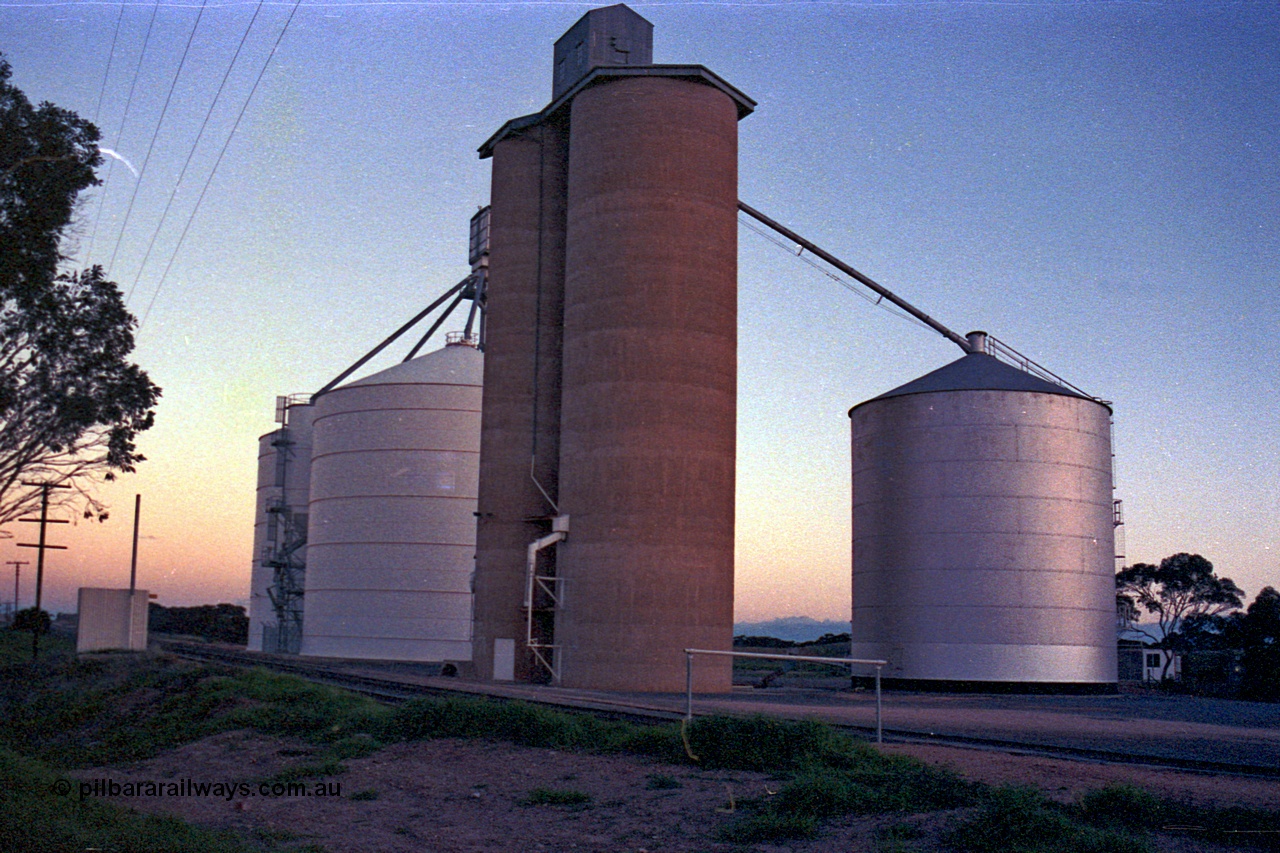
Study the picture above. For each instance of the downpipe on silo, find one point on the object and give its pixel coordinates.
(559, 532)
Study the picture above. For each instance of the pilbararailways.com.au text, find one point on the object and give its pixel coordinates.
(86, 788)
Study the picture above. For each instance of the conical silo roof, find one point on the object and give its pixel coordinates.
(452, 365)
(976, 372)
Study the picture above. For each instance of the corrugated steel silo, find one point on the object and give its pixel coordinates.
(648, 422)
(279, 530)
(391, 541)
(983, 532)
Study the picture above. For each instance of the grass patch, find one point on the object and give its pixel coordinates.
(556, 797)
(831, 775)
(769, 826)
(527, 725)
(1126, 808)
(1021, 820)
(35, 818)
(763, 743)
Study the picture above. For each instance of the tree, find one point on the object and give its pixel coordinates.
(71, 404)
(47, 156)
(1182, 589)
(31, 619)
(1260, 637)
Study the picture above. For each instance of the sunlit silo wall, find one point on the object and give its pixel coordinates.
(649, 385)
(393, 495)
(982, 532)
(279, 529)
(611, 378)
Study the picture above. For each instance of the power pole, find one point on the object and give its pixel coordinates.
(44, 521)
(17, 574)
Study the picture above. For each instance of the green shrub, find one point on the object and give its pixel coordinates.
(763, 743)
(1121, 805)
(1021, 820)
(769, 826)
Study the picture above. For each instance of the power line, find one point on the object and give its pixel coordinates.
(142, 173)
(106, 75)
(110, 56)
(173, 193)
(120, 132)
(217, 163)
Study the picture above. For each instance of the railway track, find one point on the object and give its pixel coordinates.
(391, 689)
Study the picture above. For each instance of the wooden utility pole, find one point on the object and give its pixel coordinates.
(44, 521)
(17, 574)
(133, 562)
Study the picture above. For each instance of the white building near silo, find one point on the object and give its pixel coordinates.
(983, 538)
(391, 536)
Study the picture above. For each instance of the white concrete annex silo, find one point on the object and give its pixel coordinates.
(983, 537)
(391, 541)
(279, 530)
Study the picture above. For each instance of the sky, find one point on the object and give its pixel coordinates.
(1096, 184)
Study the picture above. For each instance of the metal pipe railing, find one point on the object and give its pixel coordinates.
(850, 662)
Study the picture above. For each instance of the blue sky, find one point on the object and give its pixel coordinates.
(1096, 184)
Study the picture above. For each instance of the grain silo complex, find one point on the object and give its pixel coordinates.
(391, 539)
(606, 508)
(983, 538)
(551, 499)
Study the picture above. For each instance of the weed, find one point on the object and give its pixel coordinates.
(555, 797)
(312, 770)
(1021, 820)
(1121, 805)
(769, 826)
(662, 782)
(763, 743)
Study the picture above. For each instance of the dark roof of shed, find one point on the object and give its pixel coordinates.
(976, 372)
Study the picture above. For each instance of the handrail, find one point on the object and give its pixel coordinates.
(688, 675)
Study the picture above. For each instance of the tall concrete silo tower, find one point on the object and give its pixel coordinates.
(606, 506)
(280, 530)
(391, 540)
(983, 549)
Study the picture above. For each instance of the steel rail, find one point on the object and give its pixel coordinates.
(391, 690)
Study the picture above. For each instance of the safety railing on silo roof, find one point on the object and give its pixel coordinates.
(850, 662)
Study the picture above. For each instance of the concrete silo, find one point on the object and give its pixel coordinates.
(983, 532)
(605, 543)
(391, 539)
(280, 530)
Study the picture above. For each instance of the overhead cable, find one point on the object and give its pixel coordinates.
(200, 135)
(142, 173)
(146, 39)
(183, 236)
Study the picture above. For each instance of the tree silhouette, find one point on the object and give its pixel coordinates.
(71, 404)
(1182, 588)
